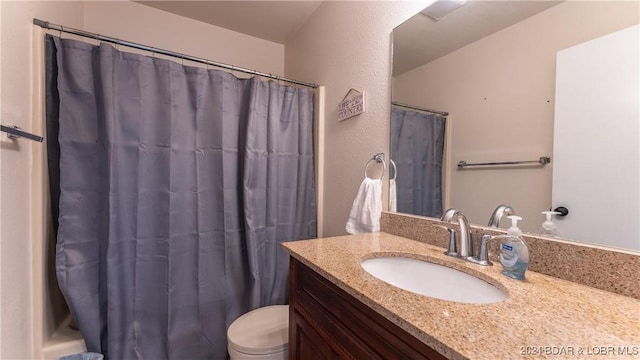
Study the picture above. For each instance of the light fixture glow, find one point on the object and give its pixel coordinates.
(442, 8)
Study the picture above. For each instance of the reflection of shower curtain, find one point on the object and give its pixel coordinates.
(175, 186)
(417, 145)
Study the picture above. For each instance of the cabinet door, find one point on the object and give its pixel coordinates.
(308, 344)
(342, 325)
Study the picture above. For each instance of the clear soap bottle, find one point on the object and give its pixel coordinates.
(548, 227)
(514, 253)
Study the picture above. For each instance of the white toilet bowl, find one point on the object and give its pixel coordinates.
(260, 334)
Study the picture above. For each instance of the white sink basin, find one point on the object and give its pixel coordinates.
(433, 280)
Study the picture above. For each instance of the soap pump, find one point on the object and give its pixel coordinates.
(514, 253)
(548, 227)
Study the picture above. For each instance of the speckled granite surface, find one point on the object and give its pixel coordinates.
(612, 270)
(543, 317)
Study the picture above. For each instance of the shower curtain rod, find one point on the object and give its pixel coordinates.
(49, 26)
(443, 113)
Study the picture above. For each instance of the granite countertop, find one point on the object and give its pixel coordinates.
(543, 316)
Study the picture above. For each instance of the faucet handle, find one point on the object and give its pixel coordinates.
(452, 250)
(483, 256)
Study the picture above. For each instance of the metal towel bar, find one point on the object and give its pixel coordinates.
(14, 132)
(543, 160)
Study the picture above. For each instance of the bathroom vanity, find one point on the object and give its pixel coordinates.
(338, 310)
(328, 323)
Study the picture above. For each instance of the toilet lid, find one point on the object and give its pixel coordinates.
(261, 331)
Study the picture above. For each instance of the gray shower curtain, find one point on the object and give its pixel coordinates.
(417, 147)
(172, 187)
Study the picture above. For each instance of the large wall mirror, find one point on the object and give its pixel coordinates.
(478, 85)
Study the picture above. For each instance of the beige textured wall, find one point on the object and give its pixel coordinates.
(24, 322)
(16, 284)
(150, 26)
(347, 45)
(500, 92)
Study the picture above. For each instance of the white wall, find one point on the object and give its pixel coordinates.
(348, 45)
(0, 183)
(501, 100)
(24, 324)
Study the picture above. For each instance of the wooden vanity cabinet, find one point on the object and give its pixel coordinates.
(325, 322)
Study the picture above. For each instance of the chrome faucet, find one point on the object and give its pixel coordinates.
(498, 213)
(447, 216)
(465, 250)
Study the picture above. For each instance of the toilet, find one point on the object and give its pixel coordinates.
(262, 333)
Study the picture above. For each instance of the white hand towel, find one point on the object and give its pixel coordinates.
(393, 202)
(366, 208)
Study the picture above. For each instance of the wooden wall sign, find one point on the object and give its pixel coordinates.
(351, 105)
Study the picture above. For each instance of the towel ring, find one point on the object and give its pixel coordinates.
(395, 169)
(379, 158)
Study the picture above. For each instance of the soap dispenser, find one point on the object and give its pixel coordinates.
(514, 253)
(548, 227)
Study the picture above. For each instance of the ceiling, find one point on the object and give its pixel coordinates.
(416, 42)
(268, 20)
(420, 39)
